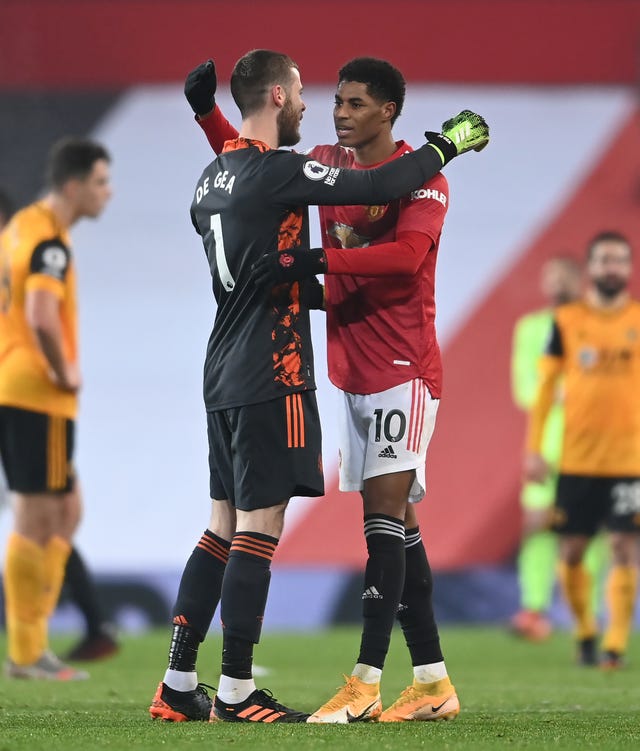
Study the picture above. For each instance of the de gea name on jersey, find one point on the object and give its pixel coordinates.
(222, 180)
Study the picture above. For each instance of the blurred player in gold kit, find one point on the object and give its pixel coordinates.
(39, 383)
(560, 283)
(595, 347)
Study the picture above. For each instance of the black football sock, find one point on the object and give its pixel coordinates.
(244, 598)
(416, 605)
(81, 590)
(383, 582)
(198, 597)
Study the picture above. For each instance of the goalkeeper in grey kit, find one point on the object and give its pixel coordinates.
(259, 387)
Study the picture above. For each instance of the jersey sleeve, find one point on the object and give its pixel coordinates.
(418, 229)
(549, 371)
(295, 179)
(217, 129)
(403, 257)
(48, 267)
(524, 359)
(554, 346)
(425, 208)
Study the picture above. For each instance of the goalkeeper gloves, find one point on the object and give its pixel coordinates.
(200, 88)
(312, 294)
(288, 266)
(461, 133)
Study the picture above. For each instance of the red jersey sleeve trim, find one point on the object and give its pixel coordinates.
(217, 129)
(402, 257)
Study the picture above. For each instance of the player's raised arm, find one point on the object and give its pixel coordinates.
(464, 132)
(326, 185)
(200, 89)
(303, 181)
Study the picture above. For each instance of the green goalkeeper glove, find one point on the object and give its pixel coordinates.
(464, 132)
(467, 130)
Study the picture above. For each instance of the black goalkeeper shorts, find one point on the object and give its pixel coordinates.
(263, 454)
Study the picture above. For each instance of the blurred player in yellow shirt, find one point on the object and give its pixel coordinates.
(39, 383)
(560, 283)
(595, 348)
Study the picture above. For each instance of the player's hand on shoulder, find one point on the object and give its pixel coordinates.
(200, 88)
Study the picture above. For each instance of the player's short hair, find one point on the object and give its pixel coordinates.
(571, 263)
(608, 235)
(7, 207)
(73, 158)
(254, 74)
(384, 82)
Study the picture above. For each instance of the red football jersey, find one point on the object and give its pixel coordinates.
(381, 330)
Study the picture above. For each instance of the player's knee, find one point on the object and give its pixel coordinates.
(623, 549)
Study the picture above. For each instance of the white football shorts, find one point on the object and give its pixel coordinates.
(386, 432)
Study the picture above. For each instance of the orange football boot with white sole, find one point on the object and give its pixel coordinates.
(425, 702)
(356, 701)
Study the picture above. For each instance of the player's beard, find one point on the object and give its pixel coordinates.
(610, 286)
(288, 125)
(562, 297)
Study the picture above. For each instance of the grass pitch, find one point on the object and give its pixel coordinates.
(514, 696)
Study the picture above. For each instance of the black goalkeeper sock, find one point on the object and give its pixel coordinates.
(244, 598)
(82, 591)
(383, 582)
(198, 598)
(201, 584)
(416, 609)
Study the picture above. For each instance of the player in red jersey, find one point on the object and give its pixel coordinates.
(383, 354)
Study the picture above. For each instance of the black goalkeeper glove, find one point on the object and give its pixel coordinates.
(200, 88)
(286, 266)
(312, 294)
(460, 134)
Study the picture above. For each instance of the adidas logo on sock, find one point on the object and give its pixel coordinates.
(371, 593)
(388, 453)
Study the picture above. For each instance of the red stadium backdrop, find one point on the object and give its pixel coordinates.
(113, 43)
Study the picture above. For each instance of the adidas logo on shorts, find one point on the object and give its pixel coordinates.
(388, 453)
(371, 593)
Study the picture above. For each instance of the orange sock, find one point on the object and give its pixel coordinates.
(24, 585)
(56, 554)
(621, 587)
(576, 587)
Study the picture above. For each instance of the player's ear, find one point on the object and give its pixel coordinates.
(278, 95)
(388, 110)
(71, 189)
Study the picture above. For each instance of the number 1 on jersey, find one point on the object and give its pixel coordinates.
(228, 282)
